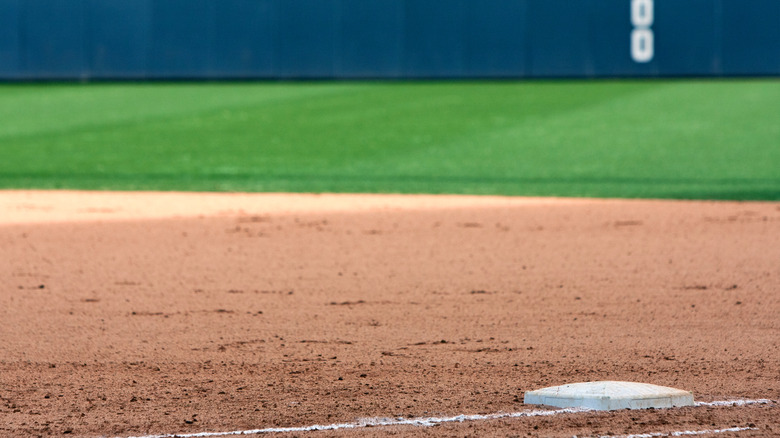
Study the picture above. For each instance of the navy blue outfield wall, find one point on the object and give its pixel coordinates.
(278, 39)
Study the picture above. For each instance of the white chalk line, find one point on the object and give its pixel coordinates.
(736, 403)
(682, 433)
(433, 421)
(371, 422)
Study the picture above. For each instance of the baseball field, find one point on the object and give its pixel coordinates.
(372, 259)
(680, 139)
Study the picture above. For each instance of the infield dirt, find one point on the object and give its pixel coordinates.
(151, 313)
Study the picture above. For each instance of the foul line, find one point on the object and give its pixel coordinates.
(370, 422)
(682, 433)
(433, 421)
(735, 403)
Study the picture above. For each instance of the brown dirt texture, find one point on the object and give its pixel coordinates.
(160, 313)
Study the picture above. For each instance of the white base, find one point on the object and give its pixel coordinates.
(609, 396)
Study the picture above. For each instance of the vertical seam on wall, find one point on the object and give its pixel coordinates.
(87, 58)
(21, 16)
(717, 38)
(336, 63)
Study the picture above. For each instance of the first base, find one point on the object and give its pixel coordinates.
(609, 396)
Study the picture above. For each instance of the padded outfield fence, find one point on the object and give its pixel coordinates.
(272, 39)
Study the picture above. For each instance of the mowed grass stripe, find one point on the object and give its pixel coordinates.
(695, 139)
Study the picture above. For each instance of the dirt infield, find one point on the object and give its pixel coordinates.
(139, 314)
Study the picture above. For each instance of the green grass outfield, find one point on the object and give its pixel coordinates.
(694, 139)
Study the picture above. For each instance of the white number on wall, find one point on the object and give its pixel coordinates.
(642, 35)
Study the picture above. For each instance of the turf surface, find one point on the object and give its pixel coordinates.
(707, 139)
